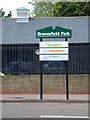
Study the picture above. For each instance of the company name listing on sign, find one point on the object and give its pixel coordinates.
(53, 50)
(53, 44)
(53, 57)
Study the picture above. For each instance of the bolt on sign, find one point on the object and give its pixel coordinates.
(53, 44)
(53, 51)
(49, 32)
(53, 57)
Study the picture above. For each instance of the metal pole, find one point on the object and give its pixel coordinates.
(41, 78)
(67, 88)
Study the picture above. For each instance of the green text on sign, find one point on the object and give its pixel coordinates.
(49, 32)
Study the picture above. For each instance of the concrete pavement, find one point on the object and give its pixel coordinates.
(73, 98)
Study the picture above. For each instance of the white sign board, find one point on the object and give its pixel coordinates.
(53, 51)
(53, 57)
(54, 44)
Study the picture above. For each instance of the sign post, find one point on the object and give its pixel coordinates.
(53, 51)
(41, 78)
(67, 88)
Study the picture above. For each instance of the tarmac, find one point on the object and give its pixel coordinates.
(73, 98)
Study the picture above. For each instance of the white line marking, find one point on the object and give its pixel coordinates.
(53, 116)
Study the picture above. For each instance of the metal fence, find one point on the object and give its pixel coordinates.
(21, 66)
(22, 59)
(79, 62)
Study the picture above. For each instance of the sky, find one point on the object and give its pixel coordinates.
(12, 5)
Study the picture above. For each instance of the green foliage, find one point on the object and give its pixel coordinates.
(59, 9)
(42, 9)
(2, 14)
(71, 9)
(9, 15)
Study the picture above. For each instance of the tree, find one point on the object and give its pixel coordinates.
(71, 9)
(2, 14)
(58, 9)
(42, 9)
(9, 15)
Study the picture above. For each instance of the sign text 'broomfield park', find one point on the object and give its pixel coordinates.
(49, 32)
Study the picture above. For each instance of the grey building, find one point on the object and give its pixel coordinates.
(19, 43)
(17, 33)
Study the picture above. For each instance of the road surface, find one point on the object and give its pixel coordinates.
(38, 110)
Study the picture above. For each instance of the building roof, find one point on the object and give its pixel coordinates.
(12, 32)
(22, 9)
